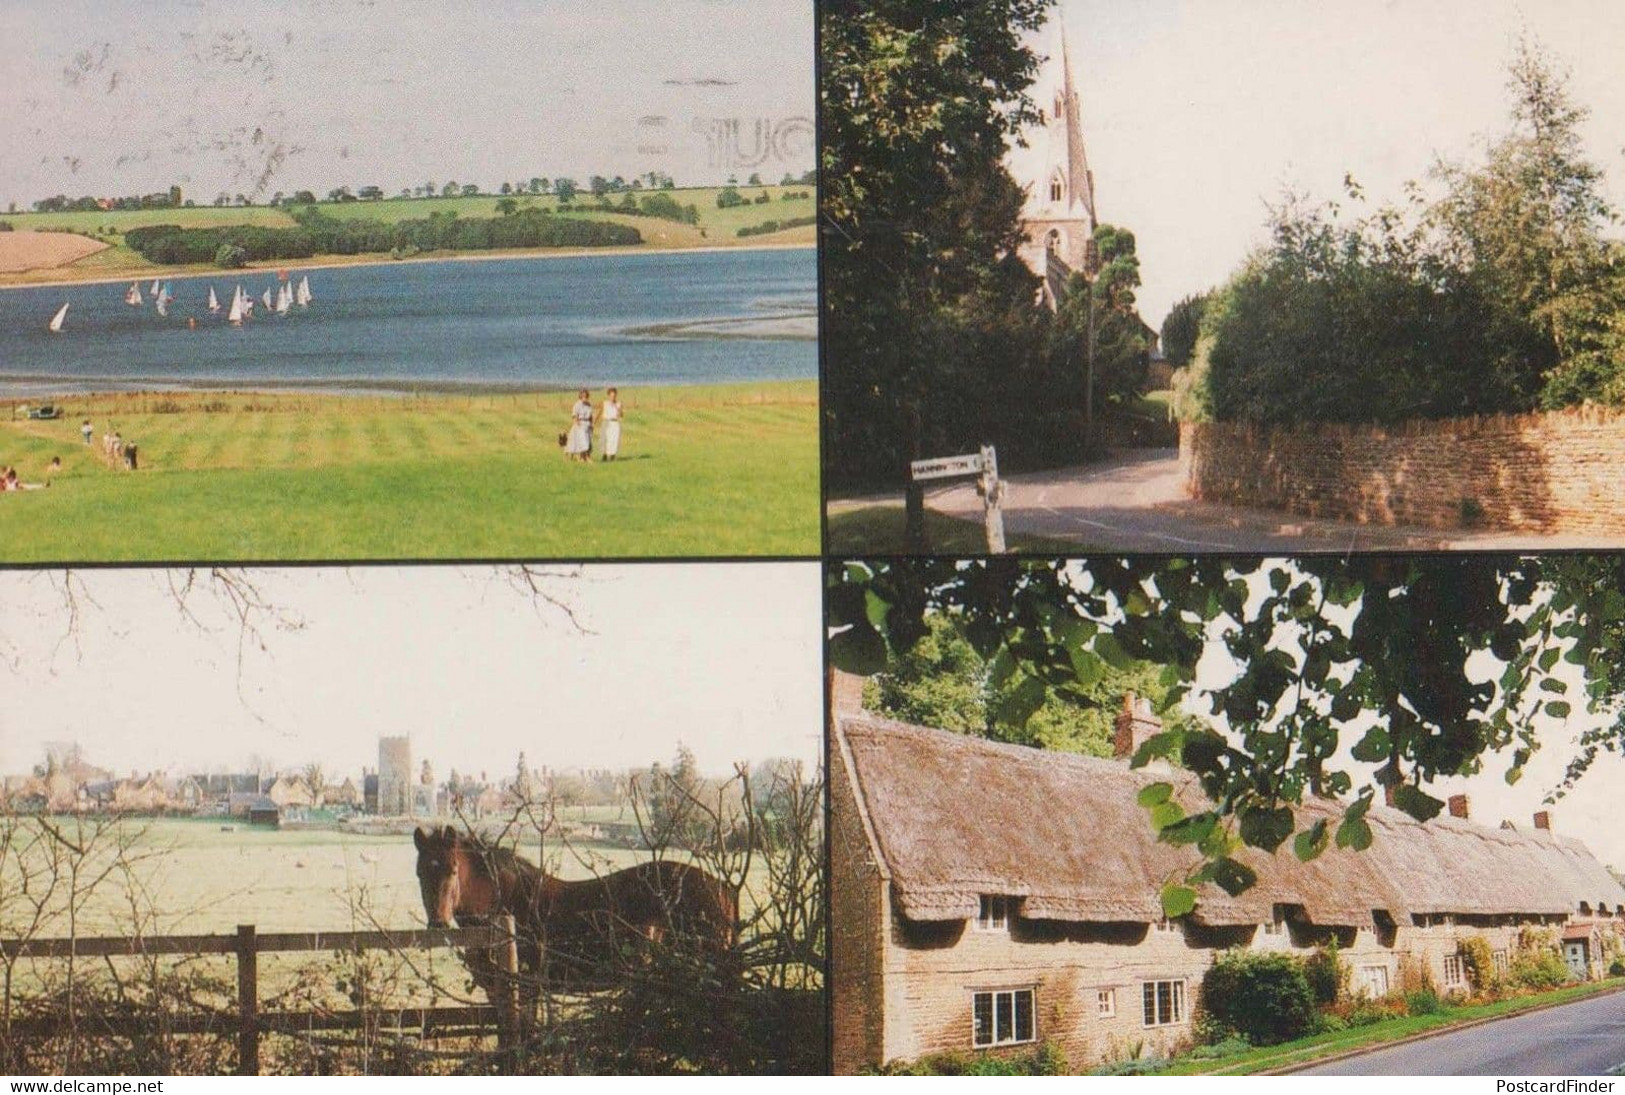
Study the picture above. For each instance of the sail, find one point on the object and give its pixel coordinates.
(284, 301)
(154, 289)
(214, 301)
(56, 320)
(267, 300)
(304, 292)
(161, 303)
(236, 313)
(134, 295)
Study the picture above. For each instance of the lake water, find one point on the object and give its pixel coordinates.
(591, 321)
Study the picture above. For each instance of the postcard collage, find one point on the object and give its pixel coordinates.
(904, 537)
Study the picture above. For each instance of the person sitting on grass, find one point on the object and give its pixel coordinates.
(11, 482)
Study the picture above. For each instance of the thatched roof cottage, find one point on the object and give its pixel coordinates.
(987, 895)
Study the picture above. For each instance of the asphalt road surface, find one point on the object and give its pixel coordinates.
(1581, 1039)
(1135, 501)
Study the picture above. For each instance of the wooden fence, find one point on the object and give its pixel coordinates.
(248, 944)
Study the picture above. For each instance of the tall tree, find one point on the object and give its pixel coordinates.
(920, 221)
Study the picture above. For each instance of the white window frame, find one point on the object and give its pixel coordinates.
(1275, 926)
(994, 996)
(1369, 975)
(993, 913)
(1500, 962)
(1460, 966)
(1106, 1003)
(1176, 1010)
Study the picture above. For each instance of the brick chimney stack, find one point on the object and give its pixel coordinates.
(1135, 724)
(1543, 821)
(1458, 806)
(845, 693)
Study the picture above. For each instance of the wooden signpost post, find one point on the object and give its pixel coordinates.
(984, 464)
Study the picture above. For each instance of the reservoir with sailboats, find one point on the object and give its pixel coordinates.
(668, 318)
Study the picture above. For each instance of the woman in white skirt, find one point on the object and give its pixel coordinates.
(611, 415)
(579, 446)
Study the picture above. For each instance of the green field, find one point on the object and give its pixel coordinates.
(717, 227)
(208, 875)
(713, 470)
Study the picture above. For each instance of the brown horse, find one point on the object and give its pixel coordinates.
(571, 934)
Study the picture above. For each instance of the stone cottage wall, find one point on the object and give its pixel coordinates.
(1555, 473)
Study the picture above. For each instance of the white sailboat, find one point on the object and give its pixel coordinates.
(267, 300)
(160, 303)
(284, 300)
(133, 297)
(56, 320)
(303, 296)
(154, 289)
(214, 302)
(235, 316)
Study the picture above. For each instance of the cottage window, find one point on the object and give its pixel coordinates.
(1164, 926)
(1275, 925)
(1164, 1002)
(994, 914)
(1055, 187)
(1499, 962)
(1374, 981)
(1003, 1018)
(1106, 1003)
(1454, 972)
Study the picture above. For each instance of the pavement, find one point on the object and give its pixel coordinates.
(1135, 501)
(1586, 1038)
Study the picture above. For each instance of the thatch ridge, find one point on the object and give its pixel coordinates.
(953, 817)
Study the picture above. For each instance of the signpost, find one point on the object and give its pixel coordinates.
(984, 464)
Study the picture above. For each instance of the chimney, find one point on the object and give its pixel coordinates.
(1458, 806)
(1543, 821)
(845, 693)
(1135, 724)
(1388, 794)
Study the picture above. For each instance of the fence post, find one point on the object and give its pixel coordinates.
(248, 1002)
(510, 1022)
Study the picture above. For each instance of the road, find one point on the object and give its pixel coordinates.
(1135, 501)
(1581, 1039)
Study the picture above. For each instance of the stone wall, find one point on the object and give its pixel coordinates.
(858, 916)
(932, 970)
(1553, 473)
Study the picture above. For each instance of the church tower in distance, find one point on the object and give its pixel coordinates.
(1060, 212)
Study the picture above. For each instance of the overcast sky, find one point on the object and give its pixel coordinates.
(1197, 112)
(724, 658)
(101, 97)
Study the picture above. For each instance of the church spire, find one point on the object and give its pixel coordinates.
(1080, 181)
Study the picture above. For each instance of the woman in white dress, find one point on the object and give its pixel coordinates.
(580, 445)
(611, 415)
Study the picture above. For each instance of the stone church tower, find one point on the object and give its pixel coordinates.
(1060, 212)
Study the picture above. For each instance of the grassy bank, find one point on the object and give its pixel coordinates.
(716, 227)
(1305, 1051)
(725, 469)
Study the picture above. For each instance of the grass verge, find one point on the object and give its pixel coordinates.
(1305, 1051)
(878, 530)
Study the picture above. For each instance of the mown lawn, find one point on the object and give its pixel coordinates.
(716, 470)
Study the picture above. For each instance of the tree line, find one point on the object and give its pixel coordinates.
(319, 234)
